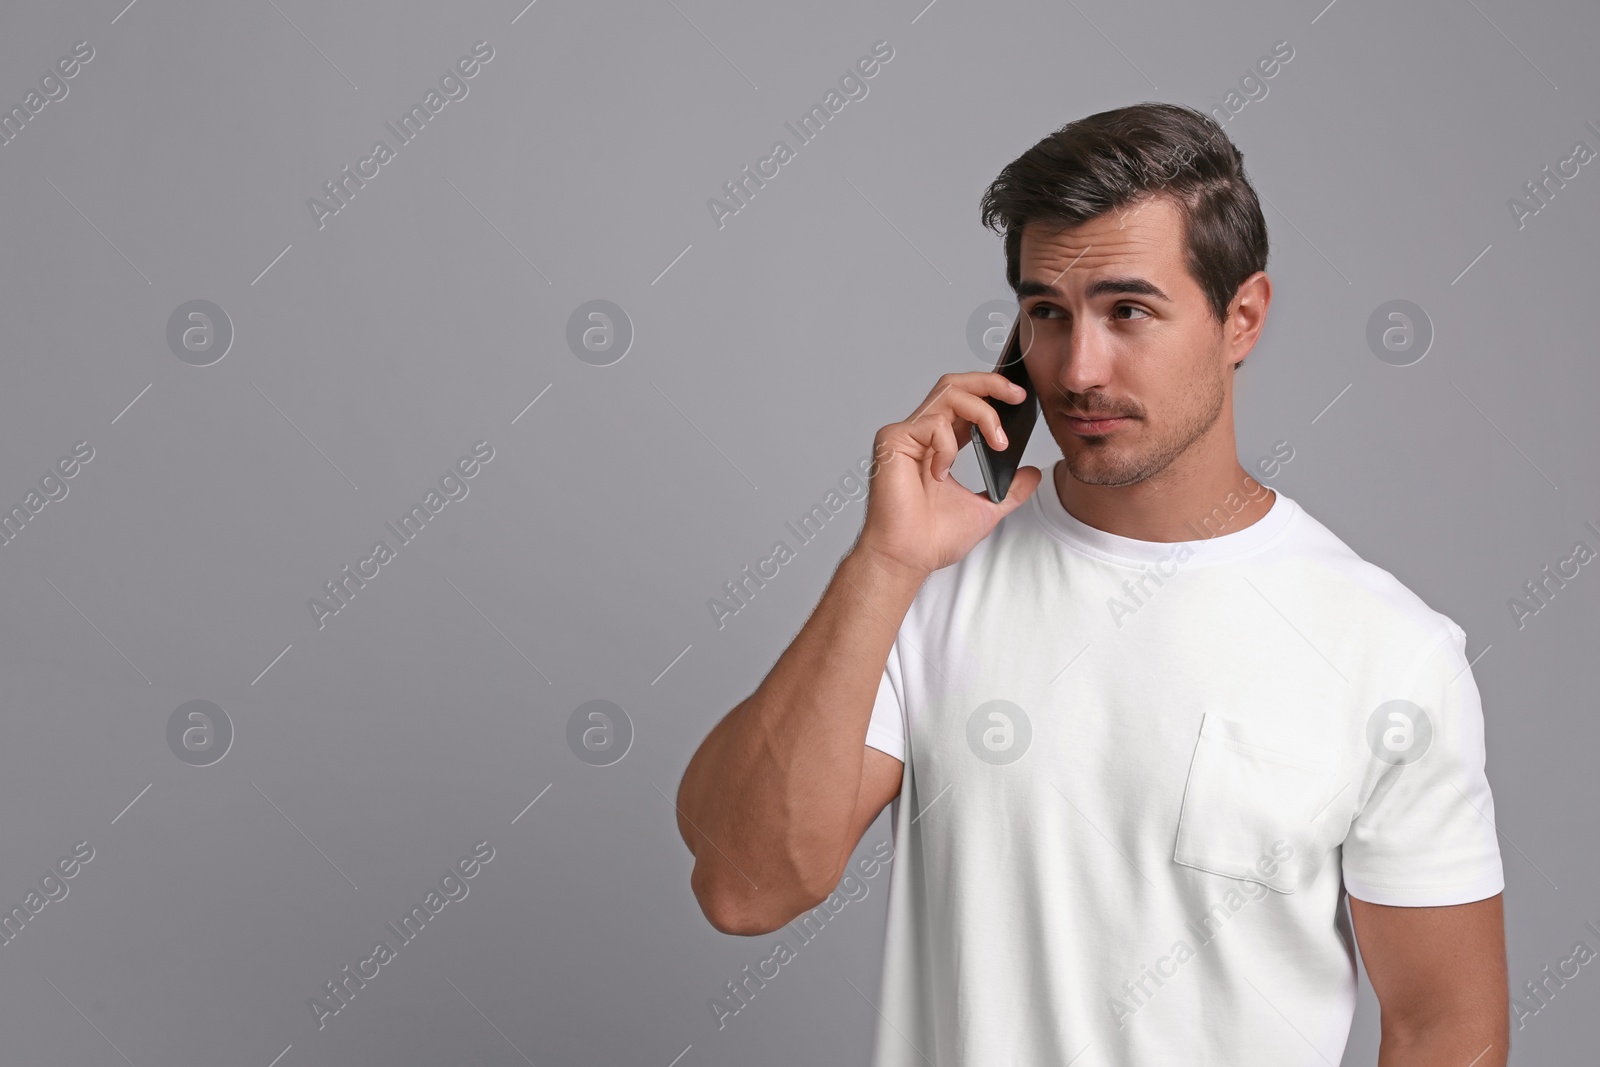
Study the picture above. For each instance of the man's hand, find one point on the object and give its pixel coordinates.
(1440, 977)
(918, 518)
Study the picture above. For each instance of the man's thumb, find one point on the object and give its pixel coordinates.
(1023, 484)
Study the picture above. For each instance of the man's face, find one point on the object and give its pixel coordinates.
(1113, 325)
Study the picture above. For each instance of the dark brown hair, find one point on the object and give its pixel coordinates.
(1116, 158)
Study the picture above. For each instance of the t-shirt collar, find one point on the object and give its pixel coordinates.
(1101, 544)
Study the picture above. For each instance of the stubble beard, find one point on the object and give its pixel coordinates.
(1110, 462)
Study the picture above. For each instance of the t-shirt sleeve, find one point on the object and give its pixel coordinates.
(887, 729)
(1425, 835)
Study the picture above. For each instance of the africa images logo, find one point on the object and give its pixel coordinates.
(342, 590)
(342, 190)
(453, 887)
(853, 86)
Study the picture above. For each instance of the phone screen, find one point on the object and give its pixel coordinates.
(999, 467)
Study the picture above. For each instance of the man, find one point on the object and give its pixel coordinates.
(1145, 724)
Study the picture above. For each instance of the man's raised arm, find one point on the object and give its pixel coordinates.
(780, 791)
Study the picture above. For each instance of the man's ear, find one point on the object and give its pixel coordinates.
(1247, 314)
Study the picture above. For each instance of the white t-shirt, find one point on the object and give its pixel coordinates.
(1140, 776)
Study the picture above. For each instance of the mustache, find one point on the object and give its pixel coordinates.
(1094, 409)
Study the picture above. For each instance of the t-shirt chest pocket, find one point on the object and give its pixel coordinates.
(1249, 803)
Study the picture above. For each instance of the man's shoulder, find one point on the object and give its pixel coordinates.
(1394, 615)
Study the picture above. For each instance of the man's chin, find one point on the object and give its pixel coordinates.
(1100, 463)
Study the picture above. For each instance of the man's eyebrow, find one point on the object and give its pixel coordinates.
(1102, 287)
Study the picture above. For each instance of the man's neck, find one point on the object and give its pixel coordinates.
(1195, 510)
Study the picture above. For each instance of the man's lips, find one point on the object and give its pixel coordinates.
(1095, 424)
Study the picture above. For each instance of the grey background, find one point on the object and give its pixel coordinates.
(430, 312)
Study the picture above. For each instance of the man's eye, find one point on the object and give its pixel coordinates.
(1042, 311)
(1133, 307)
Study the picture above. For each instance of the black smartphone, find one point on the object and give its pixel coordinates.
(1017, 419)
